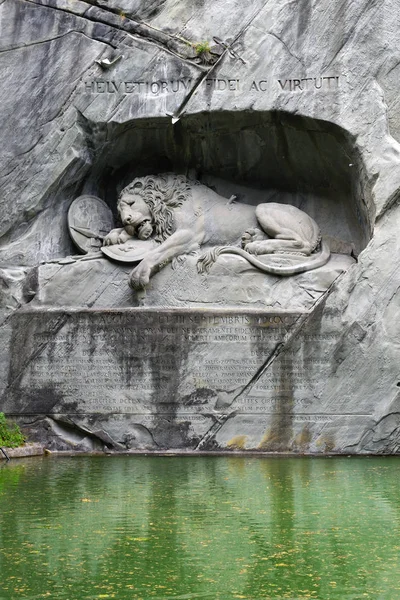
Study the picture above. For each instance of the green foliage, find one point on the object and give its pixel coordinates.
(202, 48)
(10, 433)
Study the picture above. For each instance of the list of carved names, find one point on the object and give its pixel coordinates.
(140, 362)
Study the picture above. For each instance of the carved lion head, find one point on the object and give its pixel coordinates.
(149, 201)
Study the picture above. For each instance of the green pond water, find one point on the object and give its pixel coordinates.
(200, 527)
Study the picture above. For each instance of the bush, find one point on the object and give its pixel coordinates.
(10, 433)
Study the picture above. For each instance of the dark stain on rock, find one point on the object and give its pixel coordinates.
(174, 350)
(282, 420)
(139, 436)
(213, 446)
(32, 336)
(169, 434)
(199, 396)
(278, 436)
(71, 408)
(303, 439)
(150, 350)
(304, 11)
(349, 342)
(30, 285)
(40, 401)
(327, 442)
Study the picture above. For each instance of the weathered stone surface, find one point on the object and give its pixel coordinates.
(296, 103)
(231, 282)
(160, 379)
(23, 451)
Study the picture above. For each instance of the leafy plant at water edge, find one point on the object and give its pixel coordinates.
(10, 433)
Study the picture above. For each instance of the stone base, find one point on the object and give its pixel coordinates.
(301, 433)
(200, 380)
(34, 449)
(232, 281)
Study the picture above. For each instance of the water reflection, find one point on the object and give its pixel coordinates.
(169, 527)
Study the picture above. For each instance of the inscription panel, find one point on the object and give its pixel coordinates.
(185, 364)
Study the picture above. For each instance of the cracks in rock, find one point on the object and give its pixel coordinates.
(118, 12)
(69, 425)
(17, 157)
(52, 333)
(118, 28)
(35, 421)
(392, 68)
(138, 428)
(388, 443)
(113, 46)
(368, 315)
(391, 414)
(75, 89)
(41, 141)
(94, 14)
(370, 5)
(207, 73)
(15, 167)
(52, 39)
(393, 295)
(392, 203)
(5, 238)
(303, 64)
(123, 99)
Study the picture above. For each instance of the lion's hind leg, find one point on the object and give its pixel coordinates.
(281, 224)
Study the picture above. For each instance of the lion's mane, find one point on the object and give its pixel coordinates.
(162, 193)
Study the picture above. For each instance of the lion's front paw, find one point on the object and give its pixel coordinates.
(112, 238)
(140, 276)
(124, 237)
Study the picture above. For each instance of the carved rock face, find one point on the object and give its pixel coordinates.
(302, 110)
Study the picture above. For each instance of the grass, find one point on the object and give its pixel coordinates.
(10, 433)
(202, 48)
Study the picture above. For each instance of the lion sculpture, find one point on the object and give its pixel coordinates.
(182, 215)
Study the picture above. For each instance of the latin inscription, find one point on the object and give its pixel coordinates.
(158, 87)
(184, 363)
(309, 83)
(103, 86)
(172, 86)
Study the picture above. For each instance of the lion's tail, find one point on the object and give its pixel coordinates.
(206, 260)
(319, 259)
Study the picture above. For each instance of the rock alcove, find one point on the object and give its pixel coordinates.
(254, 157)
(260, 157)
